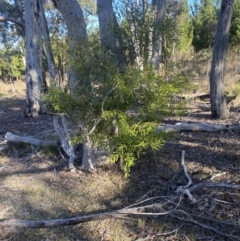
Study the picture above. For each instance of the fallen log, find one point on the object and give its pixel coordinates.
(183, 126)
(229, 98)
(203, 97)
(29, 140)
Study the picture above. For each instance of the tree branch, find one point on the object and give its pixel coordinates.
(8, 19)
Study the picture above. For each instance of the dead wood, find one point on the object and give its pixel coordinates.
(182, 126)
(64, 135)
(29, 140)
(150, 210)
(159, 208)
(203, 97)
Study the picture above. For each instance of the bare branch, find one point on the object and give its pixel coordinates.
(29, 140)
(8, 19)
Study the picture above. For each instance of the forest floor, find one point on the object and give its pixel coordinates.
(35, 184)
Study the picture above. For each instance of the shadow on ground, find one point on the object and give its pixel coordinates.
(35, 184)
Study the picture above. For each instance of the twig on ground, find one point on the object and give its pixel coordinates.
(184, 189)
(214, 185)
(151, 237)
(204, 226)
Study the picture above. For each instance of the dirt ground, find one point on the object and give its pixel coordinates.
(35, 184)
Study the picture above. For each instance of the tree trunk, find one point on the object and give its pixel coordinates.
(20, 10)
(34, 80)
(8, 58)
(158, 9)
(218, 100)
(48, 48)
(109, 31)
(73, 17)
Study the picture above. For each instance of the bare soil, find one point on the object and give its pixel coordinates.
(35, 184)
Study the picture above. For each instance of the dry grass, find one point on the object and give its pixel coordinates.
(36, 185)
(197, 67)
(6, 91)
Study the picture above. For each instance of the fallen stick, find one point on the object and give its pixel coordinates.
(29, 140)
(148, 210)
(197, 127)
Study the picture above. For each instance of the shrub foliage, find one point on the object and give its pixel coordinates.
(120, 107)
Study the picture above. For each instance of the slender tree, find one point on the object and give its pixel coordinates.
(158, 9)
(184, 27)
(34, 81)
(218, 100)
(8, 58)
(48, 47)
(109, 31)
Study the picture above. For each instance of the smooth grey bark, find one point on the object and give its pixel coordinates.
(34, 79)
(73, 16)
(218, 99)
(158, 10)
(110, 32)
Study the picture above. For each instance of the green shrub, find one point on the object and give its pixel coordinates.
(119, 107)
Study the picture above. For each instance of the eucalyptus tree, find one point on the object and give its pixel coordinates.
(4, 35)
(77, 34)
(48, 48)
(158, 9)
(142, 27)
(34, 79)
(218, 100)
(109, 31)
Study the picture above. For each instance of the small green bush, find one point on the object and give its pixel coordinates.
(119, 107)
